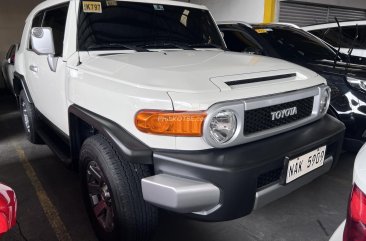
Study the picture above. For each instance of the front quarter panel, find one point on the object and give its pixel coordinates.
(119, 103)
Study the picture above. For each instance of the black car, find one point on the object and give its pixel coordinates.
(345, 75)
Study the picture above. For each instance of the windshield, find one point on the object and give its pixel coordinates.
(351, 36)
(127, 25)
(296, 45)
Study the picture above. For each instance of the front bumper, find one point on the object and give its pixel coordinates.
(225, 184)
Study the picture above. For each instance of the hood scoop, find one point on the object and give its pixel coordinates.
(226, 83)
(260, 79)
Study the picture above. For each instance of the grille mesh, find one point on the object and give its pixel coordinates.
(269, 177)
(261, 119)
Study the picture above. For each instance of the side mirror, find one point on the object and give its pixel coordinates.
(43, 44)
(222, 34)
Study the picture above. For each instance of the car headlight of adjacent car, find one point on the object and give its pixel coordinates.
(357, 83)
(325, 100)
(222, 126)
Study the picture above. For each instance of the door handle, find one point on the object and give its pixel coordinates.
(33, 68)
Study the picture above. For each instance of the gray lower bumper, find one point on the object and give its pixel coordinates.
(180, 194)
(184, 195)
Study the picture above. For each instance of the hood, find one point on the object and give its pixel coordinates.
(183, 71)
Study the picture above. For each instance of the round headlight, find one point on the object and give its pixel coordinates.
(223, 126)
(325, 101)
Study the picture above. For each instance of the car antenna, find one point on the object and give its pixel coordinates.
(351, 48)
(339, 41)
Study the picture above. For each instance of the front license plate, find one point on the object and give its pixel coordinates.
(304, 164)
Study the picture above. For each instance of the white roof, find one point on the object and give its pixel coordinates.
(331, 25)
(49, 3)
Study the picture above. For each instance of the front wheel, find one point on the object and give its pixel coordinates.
(112, 192)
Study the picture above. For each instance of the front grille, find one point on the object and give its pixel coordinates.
(258, 120)
(269, 177)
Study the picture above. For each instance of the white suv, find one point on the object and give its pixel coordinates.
(143, 98)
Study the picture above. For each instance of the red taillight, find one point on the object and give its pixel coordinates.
(355, 229)
(4, 226)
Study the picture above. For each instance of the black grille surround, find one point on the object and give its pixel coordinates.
(261, 119)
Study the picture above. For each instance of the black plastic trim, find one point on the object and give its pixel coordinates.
(130, 148)
(54, 137)
(261, 79)
(24, 85)
(235, 170)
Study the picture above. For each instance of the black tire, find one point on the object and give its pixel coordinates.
(29, 119)
(117, 185)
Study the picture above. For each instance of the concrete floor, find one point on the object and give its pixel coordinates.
(311, 213)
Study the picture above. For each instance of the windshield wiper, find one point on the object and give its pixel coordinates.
(113, 46)
(165, 44)
(207, 45)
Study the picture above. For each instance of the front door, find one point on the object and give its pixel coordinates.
(48, 86)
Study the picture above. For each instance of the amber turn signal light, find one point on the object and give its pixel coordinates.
(170, 123)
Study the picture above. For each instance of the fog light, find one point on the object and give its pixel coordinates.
(223, 126)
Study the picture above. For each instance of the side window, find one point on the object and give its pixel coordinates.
(37, 22)
(56, 19)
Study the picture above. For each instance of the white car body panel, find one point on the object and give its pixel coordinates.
(359, 179)
(359, 172)
(338, 234)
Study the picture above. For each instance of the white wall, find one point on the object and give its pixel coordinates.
(251, 11)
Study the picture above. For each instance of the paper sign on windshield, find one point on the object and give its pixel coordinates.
(261, 30)
(92, 7)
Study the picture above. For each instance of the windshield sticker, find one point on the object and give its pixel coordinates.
(158, 7)
(92, 7)
(184, 17)
(263, 30)
(111, 3)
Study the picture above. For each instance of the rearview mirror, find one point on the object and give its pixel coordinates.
(43, 44)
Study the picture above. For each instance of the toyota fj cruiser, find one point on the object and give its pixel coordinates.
(145, 100)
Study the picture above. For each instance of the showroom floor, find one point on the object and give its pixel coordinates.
(311, 213)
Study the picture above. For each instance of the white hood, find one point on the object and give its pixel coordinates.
(182, 71)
